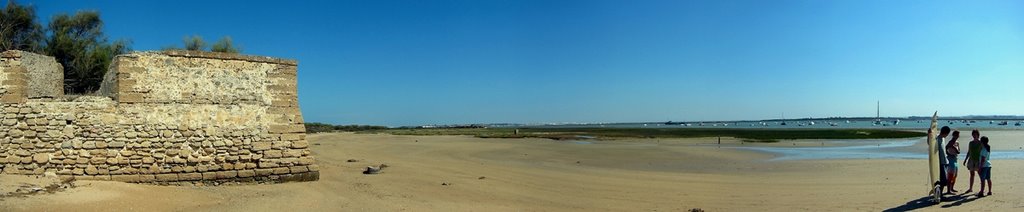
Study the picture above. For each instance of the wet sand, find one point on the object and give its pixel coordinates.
(549, 175)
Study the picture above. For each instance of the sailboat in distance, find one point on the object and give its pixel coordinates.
(783, 119)
(878, 118)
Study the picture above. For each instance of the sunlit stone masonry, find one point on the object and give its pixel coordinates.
(169, 116)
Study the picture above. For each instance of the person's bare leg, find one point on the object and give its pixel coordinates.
(989, 186)
(952, 181)
(969, 190)
(982, 184)
(949, 182)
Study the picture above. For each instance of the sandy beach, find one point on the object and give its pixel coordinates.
(462, 173)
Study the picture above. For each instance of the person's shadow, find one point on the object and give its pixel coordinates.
(960, 200)
(924, 202)
(913, 204)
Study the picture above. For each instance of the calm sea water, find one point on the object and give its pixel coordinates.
(869, 149)
(816, 124)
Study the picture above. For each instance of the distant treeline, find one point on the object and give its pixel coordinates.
(77, 42)
(315, 127)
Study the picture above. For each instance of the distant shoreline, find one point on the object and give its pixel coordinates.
(749, 135)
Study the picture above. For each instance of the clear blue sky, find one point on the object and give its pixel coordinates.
(480, 61)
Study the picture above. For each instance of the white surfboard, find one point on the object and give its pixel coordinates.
(933, 160)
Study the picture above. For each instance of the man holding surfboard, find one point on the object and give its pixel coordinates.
(943, 162)
(936, 159)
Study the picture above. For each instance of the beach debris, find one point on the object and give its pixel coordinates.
(481, 178)
(375, 170)
(371, 170)
(446, 183)
(26, 189)
(29, 188)
(696, 210)
(352, 160)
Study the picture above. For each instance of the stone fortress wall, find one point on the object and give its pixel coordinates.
(168, 116)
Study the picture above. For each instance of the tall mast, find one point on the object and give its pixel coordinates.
(878, 109)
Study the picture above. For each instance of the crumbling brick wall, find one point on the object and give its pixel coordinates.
(160, 117)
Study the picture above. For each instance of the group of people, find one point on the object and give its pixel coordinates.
(977, 160)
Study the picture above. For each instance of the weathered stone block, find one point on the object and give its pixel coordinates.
(272, 154)
(298, 169)
(12, 99)
(300, 144)
(116, 144)
(190, 176)
(287, 128)
(227, 174)
(305, 161)
(264, 172)
(130, 98)
(22, 152)
(91, 170)
(246, 173)
(167, 177)
(145, 178)
(260, 146)
(41, 158)
(209, 176)
(291, 153)
(268, 164)
(282, 170)
(98, 160)
(301, 177)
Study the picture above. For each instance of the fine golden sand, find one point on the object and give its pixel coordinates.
(459, 173)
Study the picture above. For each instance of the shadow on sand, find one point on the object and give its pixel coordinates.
(960, 200)
(924, 202)
(913, 205)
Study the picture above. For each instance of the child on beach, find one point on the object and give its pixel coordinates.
(952, 150)
(971, 161)
(986, 167)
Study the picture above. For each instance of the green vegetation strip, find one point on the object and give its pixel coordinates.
(759, 135)
(314, 127)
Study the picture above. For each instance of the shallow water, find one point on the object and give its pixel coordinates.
(900, 149)
(916, 124)
(582, 142)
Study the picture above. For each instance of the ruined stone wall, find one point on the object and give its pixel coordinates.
(45, 76)
(13, 78)
(162, 117)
